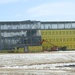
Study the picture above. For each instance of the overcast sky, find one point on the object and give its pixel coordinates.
(41, 10)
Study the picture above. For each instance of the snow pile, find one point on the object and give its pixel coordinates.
(42, 66)
(37, 60)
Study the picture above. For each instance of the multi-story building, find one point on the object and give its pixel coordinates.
(29, 34)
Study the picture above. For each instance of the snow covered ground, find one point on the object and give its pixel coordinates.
(48, 63)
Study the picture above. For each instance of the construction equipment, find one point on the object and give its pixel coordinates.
(54, 47)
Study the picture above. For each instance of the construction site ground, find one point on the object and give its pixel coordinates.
(45, 63)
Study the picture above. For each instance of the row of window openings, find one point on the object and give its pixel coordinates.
(57, 26)
(65, 32)
(25, 27)
(35, 26)
(12, 34)
(15, 40)
(20, 33)
(64, 39)
(20, 27)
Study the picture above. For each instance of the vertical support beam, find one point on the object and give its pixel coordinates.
(0, 37)
(64, 25)
(57, 25)
(71, 24)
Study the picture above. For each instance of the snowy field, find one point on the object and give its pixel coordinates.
(47, 63)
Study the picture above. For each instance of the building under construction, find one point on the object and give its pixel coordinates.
(26, 36)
